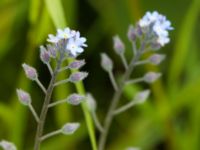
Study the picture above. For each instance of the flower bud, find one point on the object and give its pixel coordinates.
(141, 96)
(155, 46)
(76, 64)
(118, 45)
(23, 97)
(78, 76)
(53, 51)
(44, 55)
(70, 128)
(106, 62)
(7, 145)
(156, 59)
(139, 31)
(91, 102)
(150, 77)
(75, 99)
(30, 72)
(131, 33)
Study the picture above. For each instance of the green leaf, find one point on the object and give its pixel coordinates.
(184, 38)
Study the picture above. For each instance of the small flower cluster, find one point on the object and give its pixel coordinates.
(148, 35)
(66, 44)
(73, 42)
(159, 24)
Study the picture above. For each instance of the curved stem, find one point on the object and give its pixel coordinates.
(116, 98)
(112, 78)
(41, 86)
(34, 113)
(96, 121)
(44, 111)
(124, 61)
(50, 69)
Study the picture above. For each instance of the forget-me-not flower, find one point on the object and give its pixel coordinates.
(160, 26)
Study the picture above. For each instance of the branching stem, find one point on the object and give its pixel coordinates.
(34, 113)
(124, 61)
(116, 98)
(96, 121)
(57, 102)
(41, 86)
(124, 108)
(134, 81)
(48, 135)
(112, 78)
(61, 82)
(44, 111)
(50, 69)
(63, 69)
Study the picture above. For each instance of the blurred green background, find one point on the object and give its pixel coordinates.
(169, 120)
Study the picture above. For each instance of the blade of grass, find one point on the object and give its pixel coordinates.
(56, 12)
(183, 40)
(6, 114)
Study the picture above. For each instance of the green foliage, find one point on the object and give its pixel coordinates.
(168, 120)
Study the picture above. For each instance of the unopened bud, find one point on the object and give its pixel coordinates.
(78, 76)
(150, 77)
(91, 102)
(75, 99)
(141, 97)
(23, 97)
(139, 31)
(131, 33)
(70, 128)
(44, 55)
(118, 45)
(76, 64)
(53, 51)
(156, 59)
(7, 145)
(30, 72)
(106, 62)
(155, 46)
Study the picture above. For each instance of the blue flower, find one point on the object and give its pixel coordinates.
(75, 45)
(66, 33)
(160, 26)
(52, 38)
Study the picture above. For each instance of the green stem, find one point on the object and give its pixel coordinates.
(45, 107)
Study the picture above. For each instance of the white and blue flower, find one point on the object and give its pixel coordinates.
(160, 26)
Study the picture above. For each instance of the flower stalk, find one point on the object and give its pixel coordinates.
(45, 107)
(116, 98)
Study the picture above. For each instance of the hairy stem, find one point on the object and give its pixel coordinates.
(44, 111)
(116, 98)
